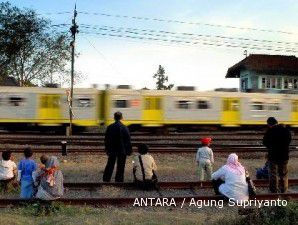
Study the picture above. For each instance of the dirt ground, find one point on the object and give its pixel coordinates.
(171, 167)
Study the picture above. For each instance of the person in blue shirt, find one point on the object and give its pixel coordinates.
(25, 169)
(263, 172)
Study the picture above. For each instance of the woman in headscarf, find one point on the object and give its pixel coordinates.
(51, 180)
(230, 180)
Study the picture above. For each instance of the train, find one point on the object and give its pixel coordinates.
(49, 107)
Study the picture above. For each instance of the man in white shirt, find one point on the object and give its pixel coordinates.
(144, 168)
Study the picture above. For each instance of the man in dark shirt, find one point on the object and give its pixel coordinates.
(277, 140)
(117, 147)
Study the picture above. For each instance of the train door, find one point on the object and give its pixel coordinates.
(294, 116)
(49, 107)
(230, 112)
(152, 109)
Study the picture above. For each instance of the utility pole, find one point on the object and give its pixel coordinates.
(73, 30)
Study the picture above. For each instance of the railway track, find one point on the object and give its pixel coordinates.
(129, 201)
(153, 149)
(164, 185)
(159, 144)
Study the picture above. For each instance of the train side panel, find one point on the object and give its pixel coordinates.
(18, 107)
(192, 110)
(129, 102)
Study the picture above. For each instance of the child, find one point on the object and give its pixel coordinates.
(8, 170)
(25, 169)
(205, 159)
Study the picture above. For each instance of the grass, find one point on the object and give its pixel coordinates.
(67, 215)
(85, 215)
(79, 168)
(267, 216)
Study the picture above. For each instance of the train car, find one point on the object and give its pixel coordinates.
(39, 107)
(34, 106)
(183, 108)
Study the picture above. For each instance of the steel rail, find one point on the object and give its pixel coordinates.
(163, 185)
(167, 149)
(129, 201)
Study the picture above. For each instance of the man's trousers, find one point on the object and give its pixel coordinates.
(110, 167)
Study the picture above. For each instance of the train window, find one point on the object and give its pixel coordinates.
(295, 106)
(84, 102)
(16, 101)
(226, 105)
(273, 106)
(44, 102)
(259, 106)
(278, 85)
(295, 84)
(157, 104)
(273, 82)
(121, 104)
(268, 83)
(148, 104)
(263, 82)
(55, 102)
(286, 84)
(201, 104)
(184, 104)
(234, 105)
(290, 83)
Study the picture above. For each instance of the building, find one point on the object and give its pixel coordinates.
(266, 73)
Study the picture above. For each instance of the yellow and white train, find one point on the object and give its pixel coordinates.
(152, 108)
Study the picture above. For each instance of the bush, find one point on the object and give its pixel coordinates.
(277, 215)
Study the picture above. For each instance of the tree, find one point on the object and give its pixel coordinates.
(31, 51)
(161, 79)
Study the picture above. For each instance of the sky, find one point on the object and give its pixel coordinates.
(118, 60)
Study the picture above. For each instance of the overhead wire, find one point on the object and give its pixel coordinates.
(190, 43)
(188, 35)
(185, 37)
(186, 22)
(153, 36)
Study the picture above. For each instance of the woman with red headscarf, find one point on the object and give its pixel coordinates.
(230, 180)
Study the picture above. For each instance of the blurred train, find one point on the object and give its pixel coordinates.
(37, 107)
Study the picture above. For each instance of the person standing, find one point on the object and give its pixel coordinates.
(277, 140)
(25, 169)
(204, 159)
(117, 147)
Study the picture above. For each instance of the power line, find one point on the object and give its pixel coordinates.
(109, 63)
(139, 34)
(189, 23)
(175, 41)
(188, 34)
(60, 25)
(55, 13)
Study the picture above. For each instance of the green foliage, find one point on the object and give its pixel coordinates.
(161, 79)
(278, 215)
(30, 49)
